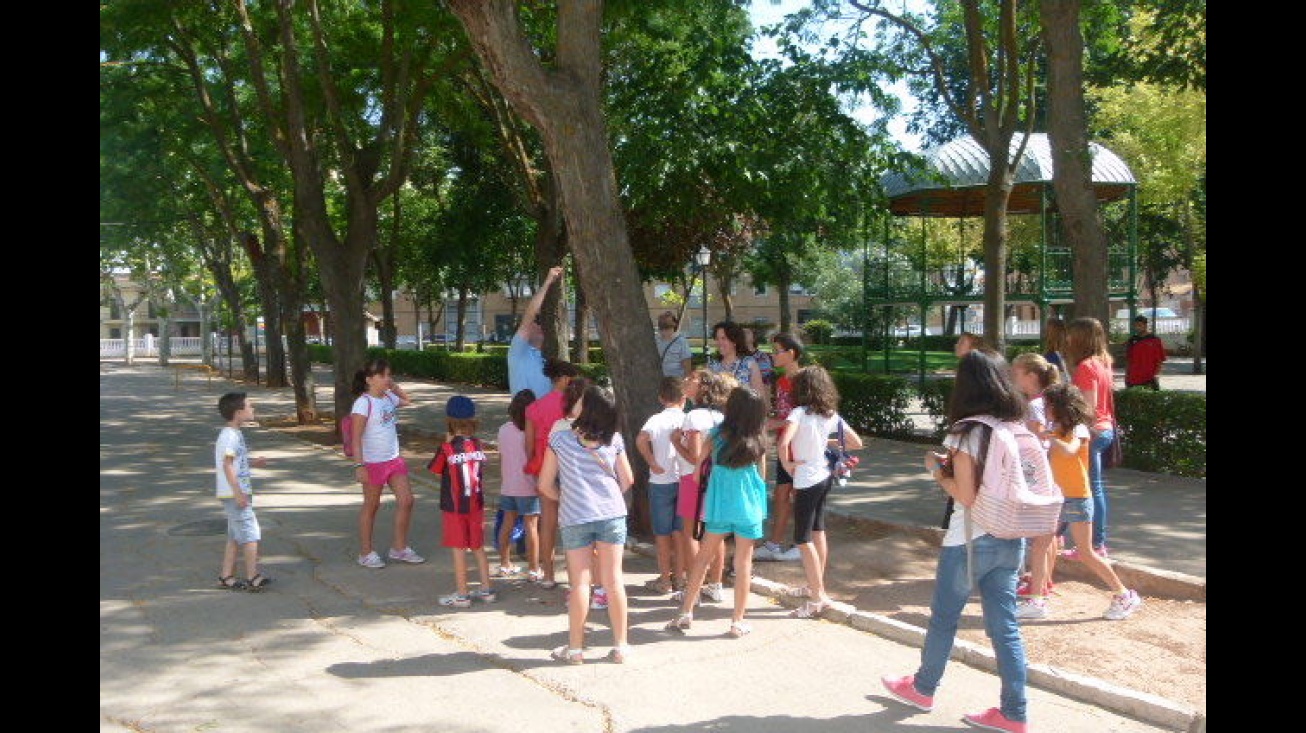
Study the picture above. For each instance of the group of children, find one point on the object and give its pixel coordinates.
(1058, 413)
(564, 470)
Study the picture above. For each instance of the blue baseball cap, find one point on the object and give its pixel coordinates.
(460, 407)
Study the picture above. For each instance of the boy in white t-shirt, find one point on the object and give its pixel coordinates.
(665, 469)
(232, 463)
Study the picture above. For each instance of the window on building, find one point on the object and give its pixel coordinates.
(805, 315)
(115, 312)
(759, 289)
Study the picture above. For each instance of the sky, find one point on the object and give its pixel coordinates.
(769, 12)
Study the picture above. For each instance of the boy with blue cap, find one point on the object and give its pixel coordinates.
(460, 462)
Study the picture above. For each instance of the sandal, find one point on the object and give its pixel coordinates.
(810, 609)
(618, 654)
(680, 623)
(570, 656)
(230, 582)
(257, 583)
(548, 583)
(739, 628)
(506, 571)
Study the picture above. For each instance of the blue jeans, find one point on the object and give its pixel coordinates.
(1097, 449)
(996, 564)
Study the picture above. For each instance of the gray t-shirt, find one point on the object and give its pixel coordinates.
(674, 352)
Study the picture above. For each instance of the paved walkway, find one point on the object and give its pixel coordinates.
(332, 646)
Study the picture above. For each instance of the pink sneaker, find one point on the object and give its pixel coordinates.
(903, 689)
(993, 719)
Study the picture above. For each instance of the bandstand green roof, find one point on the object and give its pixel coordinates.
(952, 184)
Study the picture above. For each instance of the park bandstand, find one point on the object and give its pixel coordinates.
(952, 186)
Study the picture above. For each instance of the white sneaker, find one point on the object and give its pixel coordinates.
(1123, 606)
(1031, 608)
(793, 554)
(405, 555)
(766, 552)
(711, 592)
(679, 597)
(371, 560)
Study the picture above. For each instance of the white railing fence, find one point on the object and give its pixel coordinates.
(180, 345)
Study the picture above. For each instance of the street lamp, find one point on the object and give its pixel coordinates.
(703, 258)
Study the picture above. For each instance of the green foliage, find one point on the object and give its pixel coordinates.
(1015, 349)
(818, 331)
(934, 397)
(876, 404)
(484, 370)
(1164, 432)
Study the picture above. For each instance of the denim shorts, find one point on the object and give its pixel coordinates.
(242, 525)
(611, 531)
(523, 505)
(1077, 510)
(662, 507)
(747, 531)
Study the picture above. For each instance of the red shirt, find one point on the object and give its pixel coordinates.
(1144, 355)
(460, 464)
(542, 413)
(1093, 373)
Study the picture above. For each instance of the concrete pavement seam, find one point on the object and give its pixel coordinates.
(1144, 706)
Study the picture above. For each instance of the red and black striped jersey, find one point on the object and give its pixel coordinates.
(461, 464)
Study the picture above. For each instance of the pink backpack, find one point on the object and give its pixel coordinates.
(347, 430)
(1017, 495)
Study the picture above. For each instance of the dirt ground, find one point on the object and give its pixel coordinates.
(1161, 649)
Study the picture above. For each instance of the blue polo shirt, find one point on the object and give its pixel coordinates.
(526, 368)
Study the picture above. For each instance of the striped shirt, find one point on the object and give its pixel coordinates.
(587, 484)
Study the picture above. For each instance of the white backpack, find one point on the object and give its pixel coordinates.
(1017, 494)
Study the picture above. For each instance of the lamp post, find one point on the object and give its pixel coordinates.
(703, 258)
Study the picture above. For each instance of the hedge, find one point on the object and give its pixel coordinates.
(1164, 432)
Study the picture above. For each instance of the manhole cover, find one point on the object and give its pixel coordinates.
(202, 527)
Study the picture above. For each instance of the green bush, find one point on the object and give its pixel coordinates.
(875, 404)
(818, 331)
(485, 370)
(934, 397)
(1025, 347)
(1164, 432)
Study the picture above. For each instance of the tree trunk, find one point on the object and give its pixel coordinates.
(564, 103)
(266, 261)
(580, 349)
(783, 287)
(165, 338)
(460, 328)
(1072, 162)
(550, 248)
(996, 194)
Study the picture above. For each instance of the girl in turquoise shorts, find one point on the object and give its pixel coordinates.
(735, 503)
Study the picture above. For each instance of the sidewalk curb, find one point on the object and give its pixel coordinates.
(1146, 580)
(1144, 706)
